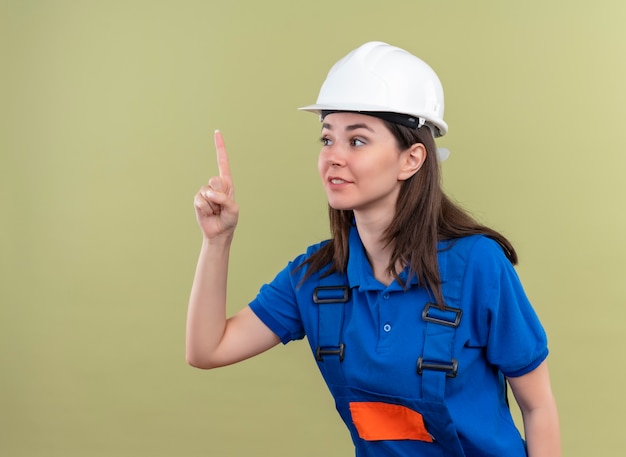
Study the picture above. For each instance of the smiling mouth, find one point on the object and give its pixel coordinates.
(337, 181)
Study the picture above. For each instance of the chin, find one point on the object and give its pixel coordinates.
(341, 207)
(337, 207)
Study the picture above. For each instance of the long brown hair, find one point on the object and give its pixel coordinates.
(424, 215)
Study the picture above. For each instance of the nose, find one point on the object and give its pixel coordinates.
(333, 156)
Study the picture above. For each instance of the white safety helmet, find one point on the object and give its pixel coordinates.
(380, 78)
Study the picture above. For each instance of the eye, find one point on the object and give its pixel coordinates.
(356, 142)
(326, 141)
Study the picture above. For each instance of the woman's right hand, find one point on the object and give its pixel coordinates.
(216, 210)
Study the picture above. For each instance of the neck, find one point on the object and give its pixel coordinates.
(371, 230)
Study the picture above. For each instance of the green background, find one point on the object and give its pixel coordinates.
(107, 112)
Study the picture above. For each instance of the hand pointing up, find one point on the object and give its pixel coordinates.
(216, 209)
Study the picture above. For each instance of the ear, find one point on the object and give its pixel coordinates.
(414, 158)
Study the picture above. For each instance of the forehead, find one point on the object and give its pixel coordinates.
(345, 120)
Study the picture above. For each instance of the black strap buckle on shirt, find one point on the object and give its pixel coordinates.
(450, 368)
(439, 315)
(320, 353)
(331, 294)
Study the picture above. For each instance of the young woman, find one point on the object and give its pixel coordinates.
(412, 309)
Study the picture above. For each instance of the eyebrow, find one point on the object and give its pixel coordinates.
(349, 127)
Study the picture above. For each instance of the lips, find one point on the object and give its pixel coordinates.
(337, 181)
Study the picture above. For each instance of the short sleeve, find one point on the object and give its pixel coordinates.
(276, 303)
(515, 340)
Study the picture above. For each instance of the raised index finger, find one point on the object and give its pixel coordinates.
(222, 158)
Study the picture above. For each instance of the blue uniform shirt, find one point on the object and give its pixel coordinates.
(499, 335)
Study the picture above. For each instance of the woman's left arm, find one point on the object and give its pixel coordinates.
(534, 396)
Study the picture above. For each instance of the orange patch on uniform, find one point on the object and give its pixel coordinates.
(377, 421)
